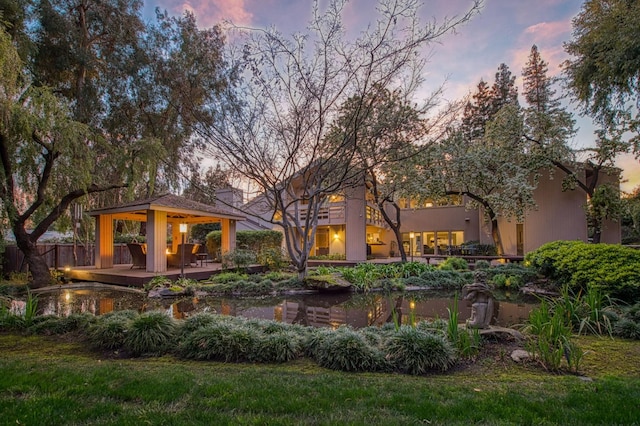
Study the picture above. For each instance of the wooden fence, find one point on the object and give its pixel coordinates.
(59, 256)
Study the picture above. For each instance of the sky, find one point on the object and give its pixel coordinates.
(503, 32)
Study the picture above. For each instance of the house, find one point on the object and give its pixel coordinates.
(351, 226)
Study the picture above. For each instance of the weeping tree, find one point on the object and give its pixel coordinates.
(113, 124)
(48, 159)
(273, 128)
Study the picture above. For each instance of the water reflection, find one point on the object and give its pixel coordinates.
(319, 310)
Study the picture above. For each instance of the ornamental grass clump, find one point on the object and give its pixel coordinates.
(414, 351)
(110, 330)
(347, 350)
(194, 323)
(54, 325)
(150, 334)
(278, 347)
(222, 341)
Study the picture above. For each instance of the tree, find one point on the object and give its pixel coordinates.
(48, 160)
(549, 127)
(604, 74)
(484, 158)
(492, 171)
(119, 114)
(203, 188)
(388, 134)
(273, 129)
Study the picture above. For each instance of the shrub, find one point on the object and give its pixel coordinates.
(482, 265)
(205, 343)
(281, 346)
(109, 332)
(347, 350)
(453, 263)
(414, 351)
(627, 328)
(273, 258)
(238, 259)
(252, 241)
(226, 277)
(151, 333)
(194, 323)
(52, 325)
(447, 279)
(159, 281)
(416, 282)
(612, 268)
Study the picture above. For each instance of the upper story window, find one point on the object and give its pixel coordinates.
(336, 198)
(448, 200)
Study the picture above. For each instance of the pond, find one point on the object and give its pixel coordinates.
(317, 310)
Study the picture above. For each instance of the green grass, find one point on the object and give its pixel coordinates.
(50, 382)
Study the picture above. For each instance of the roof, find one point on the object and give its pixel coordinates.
(177, 207)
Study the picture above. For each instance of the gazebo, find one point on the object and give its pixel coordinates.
(158, 212)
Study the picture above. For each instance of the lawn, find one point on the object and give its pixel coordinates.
(47, 381)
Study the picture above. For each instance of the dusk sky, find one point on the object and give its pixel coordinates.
(503, 32)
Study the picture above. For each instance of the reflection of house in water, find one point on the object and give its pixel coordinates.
(97, 302)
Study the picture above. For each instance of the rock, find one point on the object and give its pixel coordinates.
(520, 355)
(497, 331)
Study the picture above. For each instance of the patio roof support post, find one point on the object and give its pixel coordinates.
(156, 241)
(175, 236)
(228, 241)
(104, 241)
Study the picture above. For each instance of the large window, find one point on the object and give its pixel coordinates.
(440, 242)
(448, 200)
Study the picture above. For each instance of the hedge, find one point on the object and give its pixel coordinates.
(255, 241)
(612, 268)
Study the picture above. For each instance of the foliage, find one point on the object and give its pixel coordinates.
(414, 351)
(482, 265)
(226, 277)
(110, 331)
(273, 258)
(613, 269)
(551, 338)
(347, 350)
(242, 287)
(366, 276)
(159, 281)
(268, 241)
(453, 264)
(603, 71)
(447, 279)
(150, 334)
(54, 325)
(201, 231)
(239, 259)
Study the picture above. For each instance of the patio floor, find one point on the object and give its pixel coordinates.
(124, 275)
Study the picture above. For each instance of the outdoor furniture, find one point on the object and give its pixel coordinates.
(193, 254)
(174, 260)
(139, 258)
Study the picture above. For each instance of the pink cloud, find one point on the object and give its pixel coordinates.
(549, 31)
(211, 12)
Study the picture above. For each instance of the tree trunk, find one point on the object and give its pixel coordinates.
(495, 234)
(41, 277)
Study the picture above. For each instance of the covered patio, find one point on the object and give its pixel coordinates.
(159, 212)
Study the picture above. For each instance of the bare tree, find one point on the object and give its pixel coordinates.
(273, 127)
